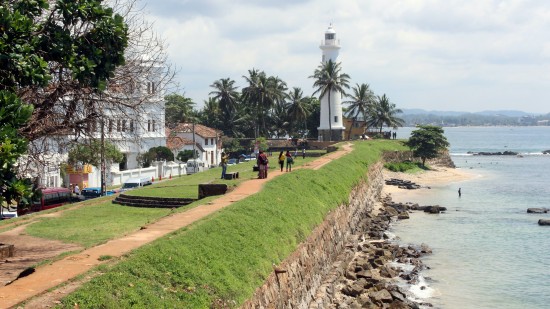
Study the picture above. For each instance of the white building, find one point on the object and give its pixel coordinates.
(330, 47)
(133, 129)
(208, 143)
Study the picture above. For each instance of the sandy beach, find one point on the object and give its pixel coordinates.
(436, 177)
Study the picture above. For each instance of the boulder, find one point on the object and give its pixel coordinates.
(403, 215)
(544, 221)
(381, 296)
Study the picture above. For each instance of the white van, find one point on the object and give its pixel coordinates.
(132, 183)
(195, 166)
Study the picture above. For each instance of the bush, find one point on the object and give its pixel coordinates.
(401, 166)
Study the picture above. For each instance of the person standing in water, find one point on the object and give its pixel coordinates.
(459, 192)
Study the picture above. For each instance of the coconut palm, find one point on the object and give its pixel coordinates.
(361, 103)
(298, 107)
(385, 113)
(226, 94)
(328, 79)
(262, 93)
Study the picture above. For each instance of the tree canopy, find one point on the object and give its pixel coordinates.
(427, 141)
(50, 49)
(90, 153)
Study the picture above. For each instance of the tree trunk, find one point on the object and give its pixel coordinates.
(351, 127)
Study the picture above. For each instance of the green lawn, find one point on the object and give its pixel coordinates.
(225, 257)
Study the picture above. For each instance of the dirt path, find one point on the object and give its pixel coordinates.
(49, 276)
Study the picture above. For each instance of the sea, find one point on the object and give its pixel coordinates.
(488, 252)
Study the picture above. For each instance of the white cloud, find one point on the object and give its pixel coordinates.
(433, 54)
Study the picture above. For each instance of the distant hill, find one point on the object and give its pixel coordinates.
(507, 113)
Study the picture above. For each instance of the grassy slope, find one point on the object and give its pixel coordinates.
(226, 256)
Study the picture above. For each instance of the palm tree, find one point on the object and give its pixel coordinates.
(385, 113)
(328, 79)
(178, 109)
(298, 107)
(361, 103)
(226, 94)
(263, 93)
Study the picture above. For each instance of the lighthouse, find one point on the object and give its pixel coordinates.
(330, 47)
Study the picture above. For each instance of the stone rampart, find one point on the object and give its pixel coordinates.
(296, 281)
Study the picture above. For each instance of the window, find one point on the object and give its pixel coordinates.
(206, 141)
(110, 127)
(151, 87)
(118, 125)
(124, 125)
(151, 125)
(329, 36)
(131, 126)
(211, 141)
(335, 118)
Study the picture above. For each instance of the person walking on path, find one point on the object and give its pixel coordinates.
(289, 161)
(303, 153)
(262, 165)
(282, 158)
(224, 164)
(76, 189)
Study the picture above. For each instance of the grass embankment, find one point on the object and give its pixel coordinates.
(225, 257)
(98, 220)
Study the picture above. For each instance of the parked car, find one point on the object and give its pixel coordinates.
(232, 161)
(92, 192)
(246, 158)
(132, 183)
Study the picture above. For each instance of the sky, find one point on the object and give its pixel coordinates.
(442, 55)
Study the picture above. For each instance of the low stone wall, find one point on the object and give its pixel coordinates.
(295, 282)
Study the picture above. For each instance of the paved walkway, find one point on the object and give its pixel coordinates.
(49, 276)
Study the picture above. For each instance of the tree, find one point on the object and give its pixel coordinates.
(261, 94)
(156, 154)
(226, 94)
(184, 155)
(298, 108)
(90, 153)
(178, 108)
(384, 113)
(13, 115)
(78, 63)
(50, 49)
(361, 104)
(427, 141)
(328, 79)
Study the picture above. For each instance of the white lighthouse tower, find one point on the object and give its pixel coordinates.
(331, 47)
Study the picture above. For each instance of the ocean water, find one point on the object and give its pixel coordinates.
(487, 251)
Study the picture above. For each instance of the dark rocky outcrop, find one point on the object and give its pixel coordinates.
(537, 210)
(496, 153)
(544, 221)
(403, 184)
(546, 152)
